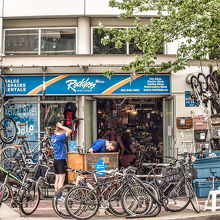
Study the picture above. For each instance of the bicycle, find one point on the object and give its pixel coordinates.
(175, 188)
(23, 195)
(83, 202)
(205, 89)
(59, 206)
(8, 129)
(22, 150)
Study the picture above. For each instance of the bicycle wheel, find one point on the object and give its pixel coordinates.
(29, 200)
(58, 201)
(47, 186)
(2, 193)
(196, 89)
(114, 199)
(6, 193)
(193, 198)
(8, 130)
(203, 82)
(136, 201)
(213, 85)
(9, 164)
(177, 196)
(3, 86)
(12, 152)
(82, 203)
(155, 208)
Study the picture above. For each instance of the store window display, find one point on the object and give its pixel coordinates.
(51, 113)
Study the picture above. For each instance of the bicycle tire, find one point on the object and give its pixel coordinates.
(8, 130)
(2, 193)
(58, 206)
(136, 201)
(88, 202)
(115, 198)
(155, 207)
(213, 85)
(47, 186)
(3, 86)
(25, 144)
(6, 193)
(196, 89)
(12, 152)
(9, 164)
(28, 197)
(178, 194)
(203, 82)
(193, 198)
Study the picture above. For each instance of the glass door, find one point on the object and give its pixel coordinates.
(169, 148)
(90, 122)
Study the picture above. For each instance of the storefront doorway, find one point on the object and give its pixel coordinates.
(138, 122)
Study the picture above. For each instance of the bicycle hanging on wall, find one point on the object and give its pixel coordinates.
(8, 128)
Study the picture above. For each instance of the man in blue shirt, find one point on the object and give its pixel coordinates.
(60, 155)
(102, 146)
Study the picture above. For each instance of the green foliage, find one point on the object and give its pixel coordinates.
(196, 21)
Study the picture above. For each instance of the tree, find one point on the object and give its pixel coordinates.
(195, 21)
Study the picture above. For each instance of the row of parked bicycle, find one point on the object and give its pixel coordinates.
(119, 192)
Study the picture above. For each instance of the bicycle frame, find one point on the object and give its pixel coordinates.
(20, 182)
(30, 156)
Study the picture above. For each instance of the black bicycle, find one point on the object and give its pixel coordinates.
(23, 193)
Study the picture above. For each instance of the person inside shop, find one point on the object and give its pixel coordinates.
(102, 146)
(60, 154)
(127, 153)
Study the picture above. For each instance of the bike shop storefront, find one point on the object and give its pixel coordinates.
(141, 107)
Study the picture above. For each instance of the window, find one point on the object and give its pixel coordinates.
(21, 42)
(215, 53)
(99, 48)
(127, 48)
(60, 41)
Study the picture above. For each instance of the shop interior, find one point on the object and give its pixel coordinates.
(138, 123)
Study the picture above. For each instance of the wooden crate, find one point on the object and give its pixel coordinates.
(88, 161)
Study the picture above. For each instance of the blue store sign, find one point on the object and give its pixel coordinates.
(189, 102)
(88, 84)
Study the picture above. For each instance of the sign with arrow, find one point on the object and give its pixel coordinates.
(100, 166)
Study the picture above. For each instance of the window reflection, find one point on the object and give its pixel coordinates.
(58, 41)
(99, 48)
(21, 42)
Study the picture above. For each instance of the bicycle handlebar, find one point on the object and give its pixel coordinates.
(77, 119)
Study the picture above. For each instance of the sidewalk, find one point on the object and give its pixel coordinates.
(46, 212)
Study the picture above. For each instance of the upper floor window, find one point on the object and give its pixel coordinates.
(41, 41)
(215, 53)
(127, 47)
(21, 42)
(99, 48)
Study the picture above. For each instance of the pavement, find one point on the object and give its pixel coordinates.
(46, 212)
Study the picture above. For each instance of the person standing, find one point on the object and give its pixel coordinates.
(60, 154)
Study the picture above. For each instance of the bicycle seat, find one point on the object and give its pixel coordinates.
(81, 172)
(23, 124)
(21, 136)
(18, 146)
